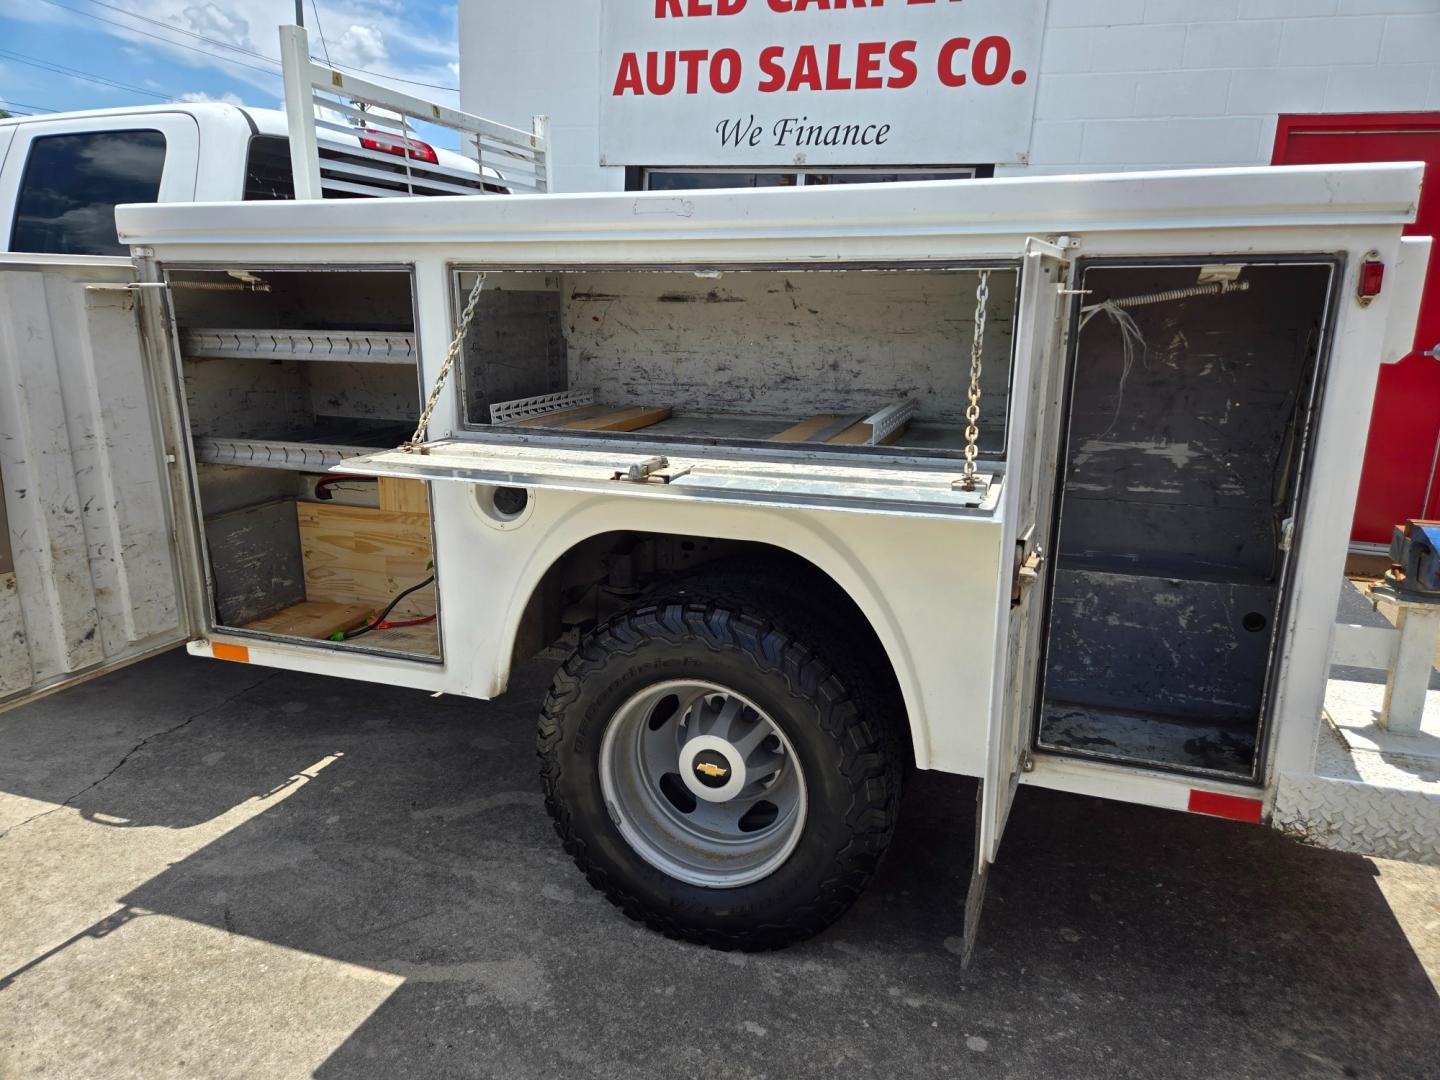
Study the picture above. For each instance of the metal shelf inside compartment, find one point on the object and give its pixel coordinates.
(356, 346)
(319, 447)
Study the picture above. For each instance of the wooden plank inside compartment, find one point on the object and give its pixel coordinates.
(632, 419)
(812, 430)
(600, 418)
(361, 555)
(312, 619)
(407, 496)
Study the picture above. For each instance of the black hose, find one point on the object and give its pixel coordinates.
(386, 613)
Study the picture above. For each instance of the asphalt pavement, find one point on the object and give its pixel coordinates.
(210, 870)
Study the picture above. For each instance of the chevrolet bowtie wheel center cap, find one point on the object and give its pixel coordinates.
(712, 768)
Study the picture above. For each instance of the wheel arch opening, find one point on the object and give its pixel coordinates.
(605, 573)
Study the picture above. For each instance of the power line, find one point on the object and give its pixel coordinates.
(320, 30)
(227, 45)
(27, 105)
(170, 41)
(164, 25)
(75, 73)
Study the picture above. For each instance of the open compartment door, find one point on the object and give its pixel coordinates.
(1026, 507)
(89, 576)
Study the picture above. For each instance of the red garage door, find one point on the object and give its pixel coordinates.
(1399, 480)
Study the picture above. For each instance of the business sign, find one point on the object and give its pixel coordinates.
(817, 82)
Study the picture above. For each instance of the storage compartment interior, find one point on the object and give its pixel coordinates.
(286, 374)
(1190, 396)
(793, 359)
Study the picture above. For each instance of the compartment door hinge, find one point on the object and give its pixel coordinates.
(1056, 247)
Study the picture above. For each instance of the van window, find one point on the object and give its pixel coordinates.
(73, 183)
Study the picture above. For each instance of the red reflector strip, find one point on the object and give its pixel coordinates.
(1234, 807)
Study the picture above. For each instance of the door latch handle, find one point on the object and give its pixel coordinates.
(1434, 353)
(1027, 573)
(650, 471)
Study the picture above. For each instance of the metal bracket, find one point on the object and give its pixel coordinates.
(1433, 353)
(648, 471)
(528, 408)
(1057, 247)
(890, 419)
(1287, 534)
(1028, 562)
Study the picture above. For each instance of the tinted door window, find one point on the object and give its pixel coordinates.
(267, 169)
(73, 183)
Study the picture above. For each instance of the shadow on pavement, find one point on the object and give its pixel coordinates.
(1117, 940)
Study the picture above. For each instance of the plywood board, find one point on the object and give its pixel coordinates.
(600, 418)
(415, 640)
(632, 419)
(361, 555)
(806, 429)
(407, 496)
(562, 416)
(316, 619)
(857, 434)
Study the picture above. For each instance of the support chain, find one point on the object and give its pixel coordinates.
(972, 413)
(416, 443)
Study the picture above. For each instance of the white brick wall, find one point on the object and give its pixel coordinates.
(1122, 83)
(1240, 63)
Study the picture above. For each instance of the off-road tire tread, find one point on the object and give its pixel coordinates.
(866, 758)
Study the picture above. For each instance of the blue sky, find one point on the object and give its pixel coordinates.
(155, 63)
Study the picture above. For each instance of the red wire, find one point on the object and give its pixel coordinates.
(410, 622)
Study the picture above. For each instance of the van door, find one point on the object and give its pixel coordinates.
(89, 577)
(1026, 507)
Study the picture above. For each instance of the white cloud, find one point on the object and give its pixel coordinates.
(381, 35)
(200, 95)
(213, 21)
(360, 46)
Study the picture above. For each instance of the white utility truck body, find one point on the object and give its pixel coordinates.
(1134, 597)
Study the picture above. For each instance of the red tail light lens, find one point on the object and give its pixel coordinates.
(1372, 277)
(398, 145)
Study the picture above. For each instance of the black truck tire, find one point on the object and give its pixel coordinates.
(847, 762)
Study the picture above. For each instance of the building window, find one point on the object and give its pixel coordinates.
(696, 179)
(73, 183)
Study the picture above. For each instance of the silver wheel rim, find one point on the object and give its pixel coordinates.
(703, 784)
